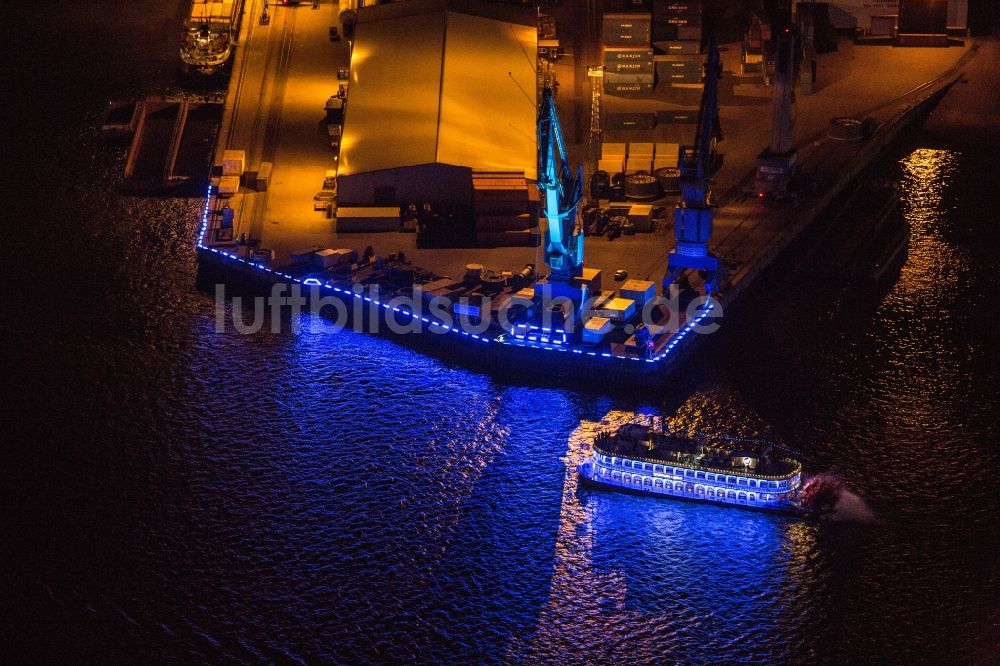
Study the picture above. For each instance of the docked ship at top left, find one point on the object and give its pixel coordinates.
(209, 35)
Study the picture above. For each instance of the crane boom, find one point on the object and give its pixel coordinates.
(694, 215)
(696, 169)
(563, 192)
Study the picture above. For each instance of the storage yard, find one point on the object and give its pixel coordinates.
(277, 204)
(288, 134)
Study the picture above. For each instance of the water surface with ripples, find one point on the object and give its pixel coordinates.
(183, 494)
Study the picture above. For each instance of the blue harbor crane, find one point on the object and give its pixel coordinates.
(563, 193)
(694, 214)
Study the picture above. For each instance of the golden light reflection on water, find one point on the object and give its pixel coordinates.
(931, 260)
(918, 355)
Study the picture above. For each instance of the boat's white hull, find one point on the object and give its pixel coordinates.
(651, 485)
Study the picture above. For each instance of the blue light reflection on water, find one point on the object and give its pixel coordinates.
(340, 497)
(371, 502)
(395, 489)
(698, 581)
(710, 573)
(204, 497)
(447, 507)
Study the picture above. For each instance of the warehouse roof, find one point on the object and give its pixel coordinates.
(440, 86)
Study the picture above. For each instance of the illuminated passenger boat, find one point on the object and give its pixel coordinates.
(640, 459)
(209, 35)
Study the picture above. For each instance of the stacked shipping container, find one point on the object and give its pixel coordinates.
(628, 58)
(506, 209)
(677, 33)
(675, 20)
(626, 30)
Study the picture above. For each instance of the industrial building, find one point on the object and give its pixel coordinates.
(440, 90)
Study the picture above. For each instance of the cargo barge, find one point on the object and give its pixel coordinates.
(757, 475)
(169, 140)
(209, 35)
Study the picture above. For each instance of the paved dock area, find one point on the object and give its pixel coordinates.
(284, 72)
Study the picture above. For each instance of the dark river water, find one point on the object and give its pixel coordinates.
(176, 494)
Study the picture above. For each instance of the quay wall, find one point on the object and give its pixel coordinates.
(544, 364)
(883, 139)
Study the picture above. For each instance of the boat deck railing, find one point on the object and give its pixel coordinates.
(795, 467)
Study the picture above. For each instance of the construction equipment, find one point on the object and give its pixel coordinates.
(564, 234)
(694, 214)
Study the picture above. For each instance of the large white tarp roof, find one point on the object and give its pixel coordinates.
(441, 86)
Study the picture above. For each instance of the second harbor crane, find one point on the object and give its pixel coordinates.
(694, 215)
(777, 164)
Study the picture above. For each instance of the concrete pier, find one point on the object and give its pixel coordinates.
(285, 72)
